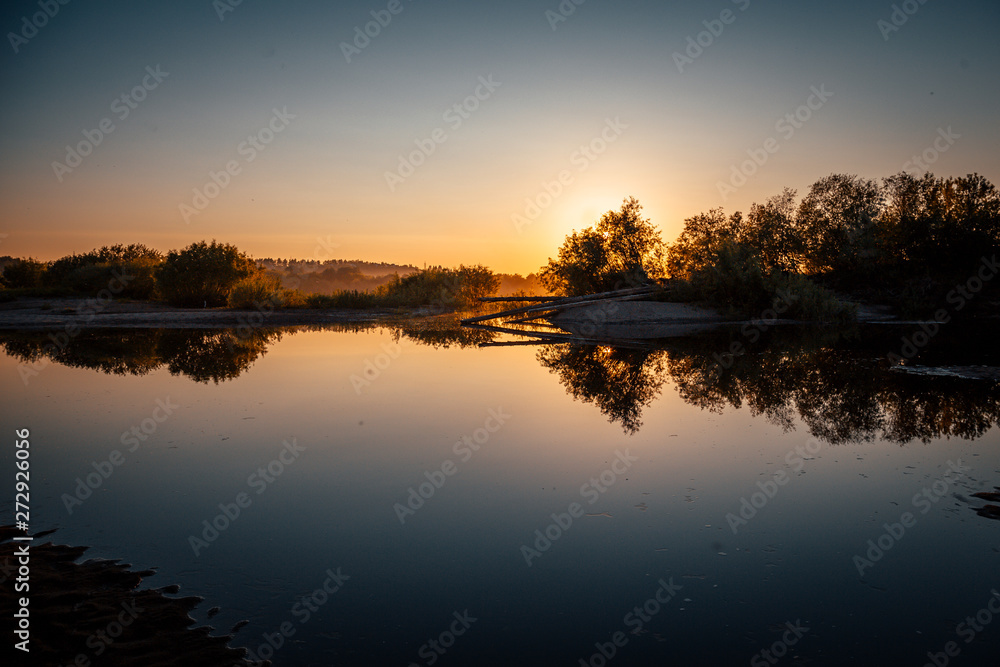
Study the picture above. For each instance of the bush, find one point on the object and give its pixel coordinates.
(252, 291)
(346, 299)
(130, 271)
(734, 282)
(443, 288)
(814, 303)
(203, 274)
(24, 273)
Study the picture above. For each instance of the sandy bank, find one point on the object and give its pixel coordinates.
(62, 313)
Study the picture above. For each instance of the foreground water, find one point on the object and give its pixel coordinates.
(407, 496)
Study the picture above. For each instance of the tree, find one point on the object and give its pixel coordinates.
(203, 274)
(699, 243)
(836, 222)
(130, 268)
(24, 273)
(769, 230)
(622, 250)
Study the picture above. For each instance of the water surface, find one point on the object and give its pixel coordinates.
(657, 447)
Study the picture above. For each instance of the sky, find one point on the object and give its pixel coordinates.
(434, 132)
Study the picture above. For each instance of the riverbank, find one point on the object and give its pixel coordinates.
(93, 611)
(86, 313)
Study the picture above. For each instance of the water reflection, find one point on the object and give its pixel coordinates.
(204, 355)
(837, 383)
(621, 382)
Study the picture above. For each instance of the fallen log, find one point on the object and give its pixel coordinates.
(600, 297)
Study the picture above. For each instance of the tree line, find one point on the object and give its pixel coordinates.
(218, 274)
(903, 240)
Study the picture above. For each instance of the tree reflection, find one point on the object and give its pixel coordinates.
(204, 355)
(620, 382)
(840, 390)
(838, 384)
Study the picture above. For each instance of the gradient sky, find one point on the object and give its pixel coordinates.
(319, 189)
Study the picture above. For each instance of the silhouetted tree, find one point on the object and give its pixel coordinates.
(203, 273)
(836, 223)
(24, 273)
(622, 250)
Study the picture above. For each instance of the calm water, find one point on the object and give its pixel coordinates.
(644, 456)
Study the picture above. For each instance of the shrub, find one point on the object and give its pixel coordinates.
(734, 282)
(814, 303)
(203, 274)
(130, 269)
(24, 273)
(252, 291)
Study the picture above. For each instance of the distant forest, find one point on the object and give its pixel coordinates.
(316, 277)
